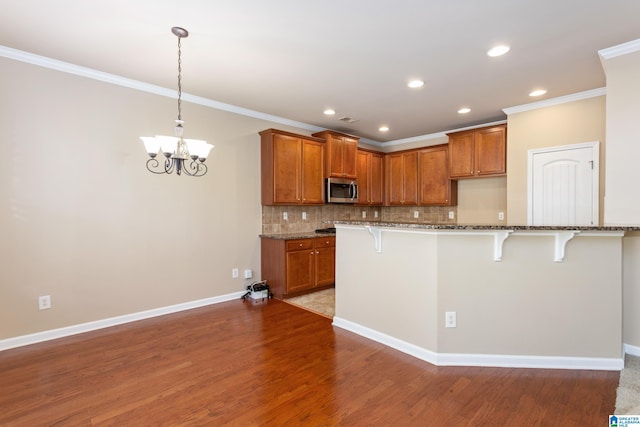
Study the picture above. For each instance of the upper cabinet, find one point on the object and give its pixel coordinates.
(478, 152)
(401, 178)
(291, 168)
(341, 152)
(434, 186)
(369, 168)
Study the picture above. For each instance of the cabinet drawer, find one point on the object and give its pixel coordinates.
(298, 245)
(325, 242)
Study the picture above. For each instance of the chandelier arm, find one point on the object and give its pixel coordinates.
(196, 168)
(153, 166)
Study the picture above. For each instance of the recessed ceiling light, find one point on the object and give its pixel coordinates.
(329, 112)
(538, 92)
(383, 128)
(414, 84)
(498, 50)
(464, 110)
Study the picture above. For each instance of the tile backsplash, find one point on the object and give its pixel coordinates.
(273, 221)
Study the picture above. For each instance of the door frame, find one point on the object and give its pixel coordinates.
(595, 196)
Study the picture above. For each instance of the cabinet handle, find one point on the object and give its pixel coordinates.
(317, 252)
(300, 244)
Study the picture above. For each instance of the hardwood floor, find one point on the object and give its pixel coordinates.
(274, 364)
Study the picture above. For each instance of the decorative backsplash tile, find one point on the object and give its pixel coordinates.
(273, 221)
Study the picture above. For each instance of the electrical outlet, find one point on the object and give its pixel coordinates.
(44, 302)
(234, 273)
(450, 319)
(248, 274)
(285, 216)
(375, 214)
(304, 216)
(451, 215)
(501, 216)
(364, 214)
(416, 214)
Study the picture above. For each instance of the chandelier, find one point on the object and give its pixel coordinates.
(180, 155)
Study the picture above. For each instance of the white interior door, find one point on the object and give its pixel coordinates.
(564, 185)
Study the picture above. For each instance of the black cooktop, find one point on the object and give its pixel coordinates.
(326, 230)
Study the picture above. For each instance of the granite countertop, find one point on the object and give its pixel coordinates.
(294, 236)
(483, 227)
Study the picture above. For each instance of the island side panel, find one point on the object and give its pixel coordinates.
(393, 292)
(527, 304)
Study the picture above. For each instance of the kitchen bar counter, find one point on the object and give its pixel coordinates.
(537, 297)
(418, 226)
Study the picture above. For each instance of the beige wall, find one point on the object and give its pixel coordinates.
(481, 200)
(622, 204)
(82, 220)
(623, 139)
(568, 123)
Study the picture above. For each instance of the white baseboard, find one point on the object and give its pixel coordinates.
(488, 360)
(632, 350)
(112, 321)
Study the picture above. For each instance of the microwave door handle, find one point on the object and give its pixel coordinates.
(352, 190)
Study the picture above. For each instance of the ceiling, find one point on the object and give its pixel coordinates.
(294, 59)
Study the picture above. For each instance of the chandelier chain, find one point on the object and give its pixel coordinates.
(179, 78)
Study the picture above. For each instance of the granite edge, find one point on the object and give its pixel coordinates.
(390, 224)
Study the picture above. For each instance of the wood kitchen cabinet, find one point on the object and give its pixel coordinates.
(293, 267)
(291, 168)
(341, 154)
(478, 152)
(369, 168)
(401, 178)
(434, 185)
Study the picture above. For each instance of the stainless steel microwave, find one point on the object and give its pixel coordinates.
(340, 190)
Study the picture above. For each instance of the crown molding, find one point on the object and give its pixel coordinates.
(66, 67)
(556, 101)
(619, 50)
(438, 134)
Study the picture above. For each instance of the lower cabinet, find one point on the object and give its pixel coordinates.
(293, 267)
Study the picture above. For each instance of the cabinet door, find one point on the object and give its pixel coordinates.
(461, 155)
(395, 180)
(491, 151)
(402, 178)
(376, 184)
(433, 177)
(363, 175)
(286, 165)
(312, 181)
(300, 270)
(334, 156)
(325, 261)
(349, 151)
(410, 165)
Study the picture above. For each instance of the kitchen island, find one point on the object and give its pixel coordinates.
(545, 297)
